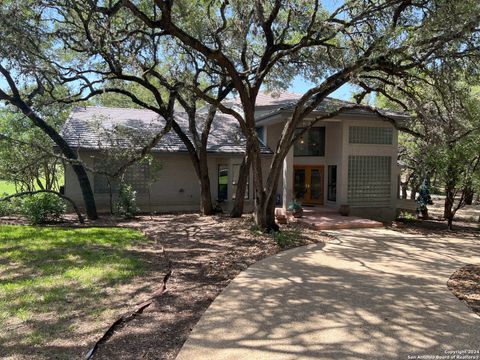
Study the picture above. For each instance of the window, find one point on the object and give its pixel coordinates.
(332, 183)
(235, 176)
(370, 135)
(136, 175)
(369, 180)
(222, 182)
(260, 133)
(311, 143)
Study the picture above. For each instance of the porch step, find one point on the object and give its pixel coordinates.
(322, 218)
(337, 222)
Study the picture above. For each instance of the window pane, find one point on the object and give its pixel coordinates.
(370, 135)
(316, 185)
(222, 182)
(369, 180)
(136, 176)
(312, 142)
(260, 132)
(332, 183)
(299, 184)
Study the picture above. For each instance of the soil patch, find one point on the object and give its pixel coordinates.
(465, 285)
(206, 253)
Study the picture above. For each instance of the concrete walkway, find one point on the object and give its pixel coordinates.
(370, 294)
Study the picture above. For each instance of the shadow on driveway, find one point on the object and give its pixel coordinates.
(369, 294)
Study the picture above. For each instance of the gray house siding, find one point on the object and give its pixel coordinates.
(175, 188)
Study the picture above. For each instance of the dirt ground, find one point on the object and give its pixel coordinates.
(206, 253)
(465, 285)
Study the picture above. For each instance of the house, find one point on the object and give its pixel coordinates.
(348, 159)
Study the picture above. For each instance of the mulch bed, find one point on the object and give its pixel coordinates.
(465, 285)
(205, 254)
(436, 228)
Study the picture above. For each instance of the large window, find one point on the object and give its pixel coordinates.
(370, 135)
(222, 182)
(332, 183)
(136, 175)
(235, 176)
(369, 180)
(311, 143)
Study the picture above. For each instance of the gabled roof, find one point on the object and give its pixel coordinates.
(105, 127)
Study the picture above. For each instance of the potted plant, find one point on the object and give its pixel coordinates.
(344, 210)
(423, 200)
(295, 208)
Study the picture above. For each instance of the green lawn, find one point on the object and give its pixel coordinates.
(6, 187)
(53, 277)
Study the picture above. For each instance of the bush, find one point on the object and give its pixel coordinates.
(11, 207)
(286, 238)
(43, 207)
(5, 208)
(126, 206)
(406, 216)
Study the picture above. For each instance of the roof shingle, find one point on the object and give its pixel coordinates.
(103, 127)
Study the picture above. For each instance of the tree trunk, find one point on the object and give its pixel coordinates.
(83, 180)
(267, 205)
(469, 194)
(205, 190)
(450, 223)
(404, 187)
(201, 166)
(198, 156)
(448, 212)
(270, 214)
(244, 172)
(415, 188)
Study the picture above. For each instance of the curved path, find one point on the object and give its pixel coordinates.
(369, 294)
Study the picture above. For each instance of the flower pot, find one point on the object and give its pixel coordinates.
(344, 210)
(297, 213)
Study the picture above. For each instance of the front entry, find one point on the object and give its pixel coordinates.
(308, 183)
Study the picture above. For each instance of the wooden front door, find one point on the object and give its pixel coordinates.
(308, 183)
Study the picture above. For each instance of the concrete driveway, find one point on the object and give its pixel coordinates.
(369, 294)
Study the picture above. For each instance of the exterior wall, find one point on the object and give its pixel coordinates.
(337, 151)
(386, 212)
(333, 151)
(176, 187)
(333, 155)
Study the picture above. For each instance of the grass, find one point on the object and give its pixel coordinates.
(6, 187)
(49, 276)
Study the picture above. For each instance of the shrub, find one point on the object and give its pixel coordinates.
(286, 238)
(5, 208)
(405, 216)
(126, 205)
(43, 207)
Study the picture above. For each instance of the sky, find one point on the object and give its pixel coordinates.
(301, 85)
